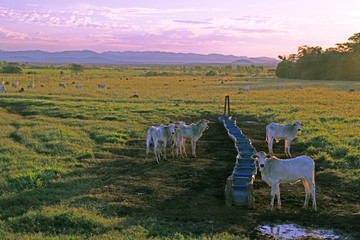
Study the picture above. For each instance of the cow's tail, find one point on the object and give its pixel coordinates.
(148, 142)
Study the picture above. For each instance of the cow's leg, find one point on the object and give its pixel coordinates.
(278, 195)
(307, 192)
(270, 145)
(273, 192)
(193, 143)
(287, 147)
(156, 151)
(148, 141)
(311, 183)
(164, 149)
(179, 146)
(174, 147)
(183, 149)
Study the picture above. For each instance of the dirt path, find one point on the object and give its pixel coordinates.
(190, 192)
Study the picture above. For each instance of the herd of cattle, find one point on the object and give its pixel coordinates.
(31, 85)
(273, 170)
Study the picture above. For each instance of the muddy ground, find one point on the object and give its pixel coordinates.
(190, 192)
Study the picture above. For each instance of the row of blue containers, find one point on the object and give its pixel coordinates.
(245, 166)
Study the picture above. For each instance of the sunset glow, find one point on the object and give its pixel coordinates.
(251, 28)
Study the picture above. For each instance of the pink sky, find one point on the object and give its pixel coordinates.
(250, 28)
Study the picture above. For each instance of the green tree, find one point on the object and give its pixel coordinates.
(11, 69)
(76, 68)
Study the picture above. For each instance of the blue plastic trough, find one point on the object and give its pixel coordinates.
(239, 187)
(245, 168)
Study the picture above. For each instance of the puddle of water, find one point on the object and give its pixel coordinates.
(293, 231)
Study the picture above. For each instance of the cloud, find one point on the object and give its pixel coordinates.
(13, 35)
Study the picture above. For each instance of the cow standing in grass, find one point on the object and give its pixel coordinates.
(194, 132)
(275, 171)
(278, 131)
(159, 135)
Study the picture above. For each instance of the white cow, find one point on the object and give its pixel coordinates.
(282, 87)
(31, 85)
(298, 86)
(2, 88)
(101, 86)
(2, 82)
(62, 85)
(159, 135)
(193, 131)
(15, 84)
(278, 131)
(174, 145)
(275, 171)
(78, 86)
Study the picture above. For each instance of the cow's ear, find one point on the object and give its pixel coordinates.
(301, 124)
(269, 155)
(207, 121)
(255, 156)
(176, 127)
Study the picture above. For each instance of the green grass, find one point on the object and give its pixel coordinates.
(51, 139)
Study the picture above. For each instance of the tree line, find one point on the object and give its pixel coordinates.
(338, 63)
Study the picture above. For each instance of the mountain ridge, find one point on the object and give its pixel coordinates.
(131, 57)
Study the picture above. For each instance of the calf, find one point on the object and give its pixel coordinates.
(275, 171)
(15, 84)
(101, 86)
(2, 88)
(31, 85)
(159, 135)
(78, 86)
(62, 85)
(192, 131)
(278, 131)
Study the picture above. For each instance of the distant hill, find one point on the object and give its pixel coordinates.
(130, 57)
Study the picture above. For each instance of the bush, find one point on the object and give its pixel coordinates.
(11, 69)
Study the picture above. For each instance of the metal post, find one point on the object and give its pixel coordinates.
(227, 105)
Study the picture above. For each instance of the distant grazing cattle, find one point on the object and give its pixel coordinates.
(101, 86)
(275, 171)
(31, 85)
(193, 131)
(245, 89)
(278, 131)
(62, 85)
(298, 86)
(15, 84)
(2, 88)
(261, 85)
(2, 83)
(282, 87)
(135, 96)
(158, 135)
(22, 90)
(78, 86)
(352, 90)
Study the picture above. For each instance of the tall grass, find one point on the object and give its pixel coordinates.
(51, 138)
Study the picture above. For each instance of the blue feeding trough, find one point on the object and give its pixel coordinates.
(244, 172)
(239, 187)
(245, 160)
(245, 165)
(244, 147)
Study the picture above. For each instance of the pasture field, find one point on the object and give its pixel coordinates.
(72, 160)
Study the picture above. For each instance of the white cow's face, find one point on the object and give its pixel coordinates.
(205, 123)
(261, 158)
(172, 128)
(298, 125)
